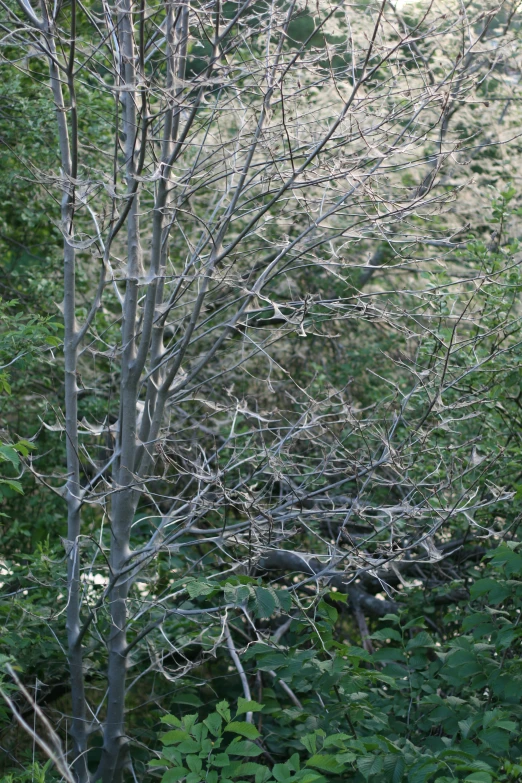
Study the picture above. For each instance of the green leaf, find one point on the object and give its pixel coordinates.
(271, 660)
(243, 728)
(345, 758)
(388, 654)
(370, 765)
(294, 762)
(336, 740)
(421, 639)
(200, 732)
(23, 447)
(310, 742)
(422, 771)
(499, 593)
(15, 485)
(244, 748)
(508, 725)
(244, 705)
(417, 622)
(9, 454)
(177, 735)
(171, 720)
(465, 726)
(398, 772)
(237, 594)
(479, 777)
(285, 600)
(395, 765)
(383, 634)
(506, 558)
(281, 772)
(496, 739)
(4, 384)
(174, 774)
(508, 193)
(263, 775)
(482, 586)
(194, 763)
(199, 587)
(265, 601)
(172, 755)
(221, 760)
(328, 763)
(189, 746)
(213, 723)
(250, 768)
(186, 697)
(223, 709)
(189, 721)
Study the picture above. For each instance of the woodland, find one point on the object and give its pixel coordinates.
(260, 391)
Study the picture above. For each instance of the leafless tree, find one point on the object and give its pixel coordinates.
(230, 177)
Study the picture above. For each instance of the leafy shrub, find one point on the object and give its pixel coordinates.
(417, 709)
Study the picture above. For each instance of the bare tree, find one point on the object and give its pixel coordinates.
(227, 173)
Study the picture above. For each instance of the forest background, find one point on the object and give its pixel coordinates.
(260, 337)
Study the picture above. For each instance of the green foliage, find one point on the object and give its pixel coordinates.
(263, 601)
(20, 335)
(33, 773)
(203, 751)
(418, 709)
(439, 698)
(23, 334)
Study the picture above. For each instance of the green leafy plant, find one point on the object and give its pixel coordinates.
(220, 749)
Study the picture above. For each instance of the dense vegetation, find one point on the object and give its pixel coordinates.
(261, 392)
